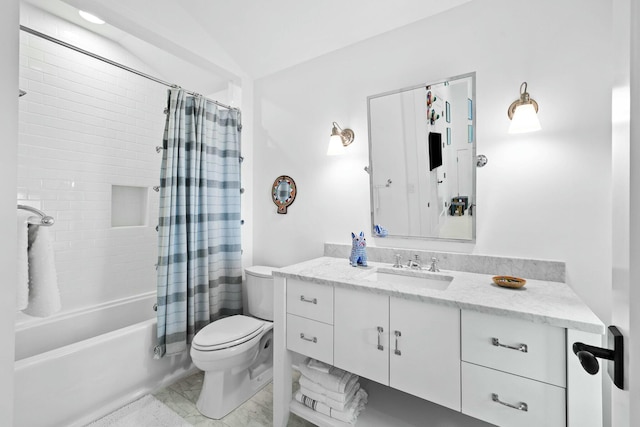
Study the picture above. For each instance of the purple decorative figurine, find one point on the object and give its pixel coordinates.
(358, 250)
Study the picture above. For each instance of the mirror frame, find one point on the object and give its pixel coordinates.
(370, 171)
(275, 189)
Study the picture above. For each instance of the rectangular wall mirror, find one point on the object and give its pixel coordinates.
(422, 165)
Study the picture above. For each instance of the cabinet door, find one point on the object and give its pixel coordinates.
(361, 322)
(425, 351)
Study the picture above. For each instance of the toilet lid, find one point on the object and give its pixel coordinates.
(227, 332)
(260, 271)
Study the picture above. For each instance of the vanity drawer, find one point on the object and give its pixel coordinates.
(310, 300)
(483, 390)
(515, 346)
(311, 338)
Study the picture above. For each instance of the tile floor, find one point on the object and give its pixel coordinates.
(181, 397)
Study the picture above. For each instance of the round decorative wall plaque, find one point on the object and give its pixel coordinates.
(283, 192)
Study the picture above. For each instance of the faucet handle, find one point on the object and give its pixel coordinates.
(397, 264)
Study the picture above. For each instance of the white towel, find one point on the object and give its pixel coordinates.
(319, 366)
(335, 380)
(349, 415)
(22, 293)
(351, 387)
(333, 404)
(44, 296)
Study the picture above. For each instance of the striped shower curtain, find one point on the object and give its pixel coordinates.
(199, 259)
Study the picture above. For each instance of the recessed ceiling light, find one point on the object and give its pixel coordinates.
(91, 18)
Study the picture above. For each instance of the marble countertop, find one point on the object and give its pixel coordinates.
(539, 301)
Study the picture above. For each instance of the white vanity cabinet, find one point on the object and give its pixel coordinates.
(409, 345)
(487, 354)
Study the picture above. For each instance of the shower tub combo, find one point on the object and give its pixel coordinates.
(78, 366)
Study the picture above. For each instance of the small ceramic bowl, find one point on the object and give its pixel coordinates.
(509, 281)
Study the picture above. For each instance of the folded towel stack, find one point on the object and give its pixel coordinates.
(331, 391)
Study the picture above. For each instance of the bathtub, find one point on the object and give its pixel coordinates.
(76, 367)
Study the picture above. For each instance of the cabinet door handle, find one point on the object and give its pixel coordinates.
(313, 301)
(313, 340)
(380, 331)
(397, 351)
(520, 347)
(521, 406)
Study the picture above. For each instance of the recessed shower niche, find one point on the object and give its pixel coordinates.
(128, 206)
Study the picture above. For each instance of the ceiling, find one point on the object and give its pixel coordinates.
(233, 40)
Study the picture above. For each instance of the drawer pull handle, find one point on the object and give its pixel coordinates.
(313, 301)
(520, 347)
(520, 406)
(313, 340)
(380, 331)
(397, 351)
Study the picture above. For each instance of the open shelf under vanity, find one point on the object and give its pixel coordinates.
(390, 407)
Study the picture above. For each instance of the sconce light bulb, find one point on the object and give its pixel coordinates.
(525, 119)
(335, 146)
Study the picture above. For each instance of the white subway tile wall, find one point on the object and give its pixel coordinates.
(85, 126)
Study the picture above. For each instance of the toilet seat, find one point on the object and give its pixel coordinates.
(227, 332)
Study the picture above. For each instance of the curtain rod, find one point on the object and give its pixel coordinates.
(116, 64)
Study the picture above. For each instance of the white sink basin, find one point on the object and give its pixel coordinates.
(412, 277)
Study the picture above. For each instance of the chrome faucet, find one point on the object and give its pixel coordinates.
(434, 265)
(414, 263)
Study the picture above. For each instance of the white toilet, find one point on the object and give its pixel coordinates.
(236, 352)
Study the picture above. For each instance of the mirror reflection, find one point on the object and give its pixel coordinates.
(283, 191)
(422, 160)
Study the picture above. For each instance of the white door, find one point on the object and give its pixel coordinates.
(421, 332)
(625, 411)
(361, 323)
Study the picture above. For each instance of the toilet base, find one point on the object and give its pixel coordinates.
(222, 392)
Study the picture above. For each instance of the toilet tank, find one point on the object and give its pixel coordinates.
(260, 291)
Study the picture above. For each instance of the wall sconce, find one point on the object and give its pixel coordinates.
(340, 138)
(523, 113)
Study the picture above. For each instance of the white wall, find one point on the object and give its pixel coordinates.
(542, 195)
(9, 121)
(86, 126)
